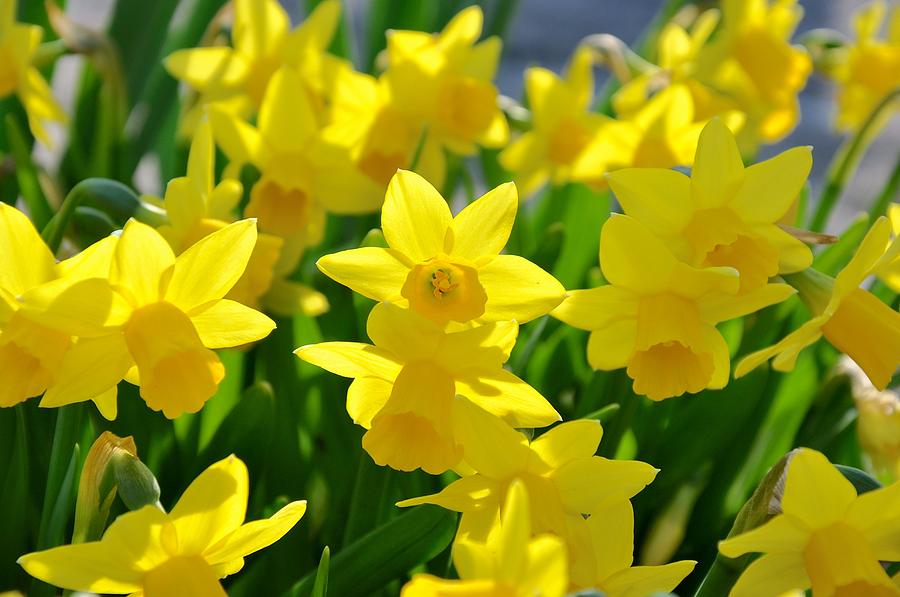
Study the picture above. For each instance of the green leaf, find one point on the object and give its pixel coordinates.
(39, 209)
(320, 588)
(387, 553)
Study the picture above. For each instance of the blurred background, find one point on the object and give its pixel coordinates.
(543, 32)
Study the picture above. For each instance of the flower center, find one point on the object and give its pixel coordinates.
(442, 291)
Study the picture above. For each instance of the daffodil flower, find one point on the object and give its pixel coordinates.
(405, 385)
(380, 138)
(235, 78)
(657, 315)
(184, 552)
(301, 176)
(512, 563)
(157, 325)
(31, 353)
(849, 317)
(18, 75)
(826, 538)
(562, 125)
(197, 207)
(723, 214)
(752, 61)
(444, 267)
(869, 69)
(444, 81)
(605, 552)
(563, 478)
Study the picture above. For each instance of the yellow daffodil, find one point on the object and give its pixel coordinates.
(605, 552)
(31, 353)
(657, 315)
(379, 137)
(562, 125)
(878, 422)
(184, 552)
(888, 270)
(158, 324)
(444, 81)
(850, 317)
(752, 61)
(405, 385)
(827, 537)
(301, 176)
(197, 208)
(235, 78)
(563, 478)
(18, 75)
(869, 69)
(723, 214)
(512, 563)
(447, 268)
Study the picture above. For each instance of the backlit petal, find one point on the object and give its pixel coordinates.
(659, 199)
(772, 186)
(351, 359)
(568, 441)
(815, 491)
(256, 535)
(376, 273)
(718, 167)
(482, 227)
(518, 289)
(142, 258)
(228, 323)
(415, 217)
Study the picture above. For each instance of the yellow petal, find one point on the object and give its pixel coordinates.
(490, 446)
(286, 119)
(93, 262)
(649, 580)
(199, 67)
(25, 261)
(463, 495)
(201, 158)
(877, 515)
(212, 507)
(90, 368)
(547, 569)
(631, 257)
(659, 199)
(183, 576)
(771, 187)
(415, 217)
(142, 258)
(595, 308)
(612, 346)
(89, 567)
(240, 141)
(351, 359)
(85, 308)
(785, 350)
(722, 307)
(227, 324)
(259, 26)
(425, 585)
(779, 535)
(611, 532)
(515, 531)
(588, 484)
(772, 575)
(403, 332)
(256, 535)
(518, 289)
(485, 346)
(376, 273)
(866, 257)
(207, 270)
(483, 227)
(505, 395)
(366, 396)
(567, 441)
(718, 167)
(815, 491)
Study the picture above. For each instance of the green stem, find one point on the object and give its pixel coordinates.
(112, 197)
(846, 160)
(65, 434)
(887, 195)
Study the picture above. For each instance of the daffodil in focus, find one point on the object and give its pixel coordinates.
(184, 552)
(443, 267)
(378, 135)
(868, 69)
(604, 556)
(301, 176)
(851, 318)
(752, 61)
(563, 478)
(19, 76)
(513, 563)
(197, 207)
(562, 125)
(827, 537)
(657, 315)
(723, 214)
(444, 81)
(158, 324)
(31, 353)
(235, 78)
(405, 386)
